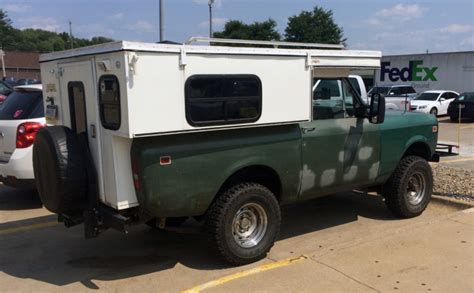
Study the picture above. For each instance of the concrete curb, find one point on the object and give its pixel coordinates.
(451, 201)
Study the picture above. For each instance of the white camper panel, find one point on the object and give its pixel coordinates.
(156, 94)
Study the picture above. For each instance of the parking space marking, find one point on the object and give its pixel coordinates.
(259, 269)
(467, 127)
(28, 227)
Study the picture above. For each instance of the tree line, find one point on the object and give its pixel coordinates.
(38, 40)
(314, 26)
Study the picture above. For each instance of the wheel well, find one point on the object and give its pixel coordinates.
(420, 149)
(263, 175)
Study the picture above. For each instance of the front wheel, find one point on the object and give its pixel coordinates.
(409, 189)
(434, 112)
(244, 222)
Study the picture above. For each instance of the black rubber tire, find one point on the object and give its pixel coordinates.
(220, 216)
(394, 190)
(434, 112)
(59, 163)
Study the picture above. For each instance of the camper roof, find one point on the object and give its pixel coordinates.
(316, 57)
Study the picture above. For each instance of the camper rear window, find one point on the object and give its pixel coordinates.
(223, 99)
(109, 101)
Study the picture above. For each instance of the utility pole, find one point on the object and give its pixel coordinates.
(211, 2)
(162, 21)
(70, 34)
(2, 55)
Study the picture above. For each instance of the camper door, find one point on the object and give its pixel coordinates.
(79, 106)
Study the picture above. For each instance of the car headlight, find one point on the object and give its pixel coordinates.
(422, 107)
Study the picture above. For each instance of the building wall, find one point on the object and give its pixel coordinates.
(20, 65)
(436, 71)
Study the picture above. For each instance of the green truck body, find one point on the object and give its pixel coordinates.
(299, 161)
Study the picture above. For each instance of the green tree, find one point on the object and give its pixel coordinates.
(236, 29)
(316, 26)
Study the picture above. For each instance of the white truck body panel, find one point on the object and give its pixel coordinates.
(152, 81)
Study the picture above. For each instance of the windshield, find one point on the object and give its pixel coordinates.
(379, 90)
(427, 97)
(466, 97)
(22, 105)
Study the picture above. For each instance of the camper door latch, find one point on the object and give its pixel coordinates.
(132, 62)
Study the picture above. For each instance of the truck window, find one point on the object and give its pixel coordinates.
(109, 102)
(410, 90)
(334, 99)
(223, 99)
(397, 91)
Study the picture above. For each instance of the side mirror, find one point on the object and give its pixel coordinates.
(377, 109)
(391, 94)
(442, 99)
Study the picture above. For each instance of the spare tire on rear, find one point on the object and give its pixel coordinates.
(59, 162)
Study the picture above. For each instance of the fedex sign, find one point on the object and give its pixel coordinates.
(414, 72)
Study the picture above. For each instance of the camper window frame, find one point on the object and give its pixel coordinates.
(110, 126)
(225, 121)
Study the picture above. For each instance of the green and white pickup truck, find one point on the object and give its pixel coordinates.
(151, 133)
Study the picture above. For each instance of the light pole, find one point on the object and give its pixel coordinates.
(162, 21)
(2, 55)
(70, 34)
(210, 17)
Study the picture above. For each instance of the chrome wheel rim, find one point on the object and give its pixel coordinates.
(416, 188)
(249, 225)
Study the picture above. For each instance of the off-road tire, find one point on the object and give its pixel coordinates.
(434, 112)
(395, 189)
(60, 169)
(220, 217)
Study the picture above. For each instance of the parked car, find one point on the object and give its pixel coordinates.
(21, 116)
(5, 90)
(394, 90)
(397, 97)
(433, 102)
(26, 81)
(465, 101)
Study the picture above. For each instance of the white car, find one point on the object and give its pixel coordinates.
(21, 116)
(433, 102)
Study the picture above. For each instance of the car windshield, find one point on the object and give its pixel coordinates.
(379, 90)
(466, 97)
(22, 105)
(427, 97)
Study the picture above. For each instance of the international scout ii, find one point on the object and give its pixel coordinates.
(158, 133)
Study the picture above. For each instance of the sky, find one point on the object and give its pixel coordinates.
(394, 27)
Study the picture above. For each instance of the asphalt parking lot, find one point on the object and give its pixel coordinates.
(348, 242)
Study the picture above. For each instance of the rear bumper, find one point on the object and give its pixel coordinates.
(19, 166)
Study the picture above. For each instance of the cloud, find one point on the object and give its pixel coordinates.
(142, 26)
(117, 16)
(92, 30)
(18, 8)
(217, 3)
(216, 22)
(44, 23)
(457, 29)
(401, 12)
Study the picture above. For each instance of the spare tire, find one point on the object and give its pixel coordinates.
(59, 162)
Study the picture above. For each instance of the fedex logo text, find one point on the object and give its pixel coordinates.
(414, 72)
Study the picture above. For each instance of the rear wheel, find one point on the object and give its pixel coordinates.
(408, 191)
(244, 222)
(434, 112)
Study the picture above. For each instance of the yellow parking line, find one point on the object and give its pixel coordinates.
(259, 269)
(27, 228)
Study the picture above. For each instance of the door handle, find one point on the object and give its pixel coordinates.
(308, 129)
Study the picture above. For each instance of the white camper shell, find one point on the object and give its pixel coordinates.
(81, 87)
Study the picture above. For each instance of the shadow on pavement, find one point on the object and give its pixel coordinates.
(61, 256)
(18, 199)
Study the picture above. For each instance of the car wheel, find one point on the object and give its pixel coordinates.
(244, 222)
(434, 112)
(408, 190)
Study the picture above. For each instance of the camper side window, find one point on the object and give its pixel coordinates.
(223, 99)
(109, 102)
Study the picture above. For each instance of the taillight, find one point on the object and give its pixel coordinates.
(136, 176)
(26, 133)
